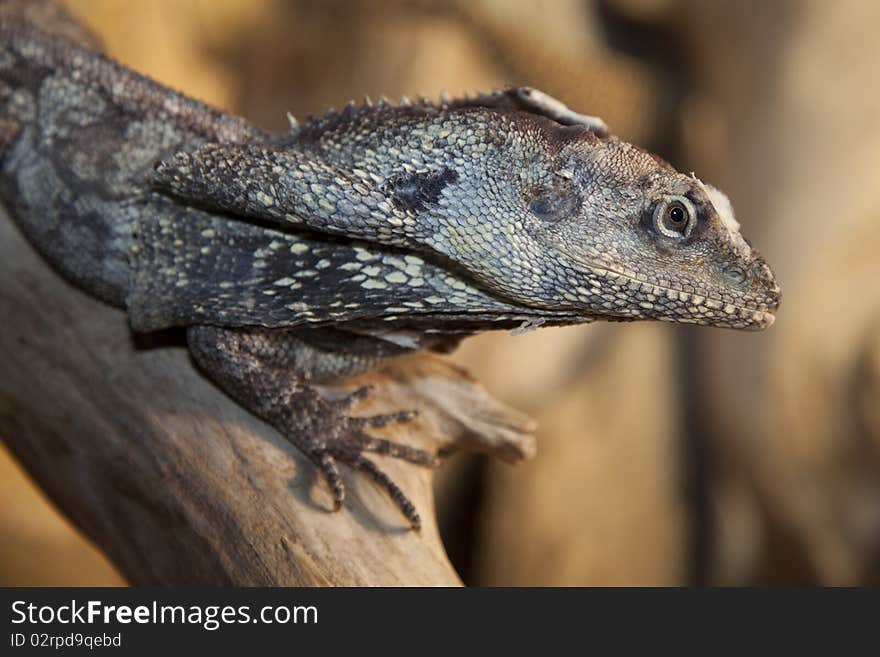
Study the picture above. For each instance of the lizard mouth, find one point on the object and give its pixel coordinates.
(756, 316)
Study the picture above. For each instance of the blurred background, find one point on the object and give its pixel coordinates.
(667, 455)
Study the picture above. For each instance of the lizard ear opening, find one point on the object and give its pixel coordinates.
(554, 204)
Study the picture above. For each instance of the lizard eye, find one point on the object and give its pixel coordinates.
(674, 217)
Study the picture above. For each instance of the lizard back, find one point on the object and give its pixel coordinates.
(79, 135)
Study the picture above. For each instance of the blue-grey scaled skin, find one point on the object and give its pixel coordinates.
(357, 236)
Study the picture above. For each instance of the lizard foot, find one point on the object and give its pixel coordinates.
(331, 436)
(261, 369)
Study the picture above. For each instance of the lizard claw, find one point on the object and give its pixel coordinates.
(341, 438)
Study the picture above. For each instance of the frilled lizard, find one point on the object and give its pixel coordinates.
(363, 234)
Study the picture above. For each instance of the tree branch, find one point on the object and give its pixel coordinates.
(178, 484)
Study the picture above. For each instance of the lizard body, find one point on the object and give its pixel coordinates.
(359, 235)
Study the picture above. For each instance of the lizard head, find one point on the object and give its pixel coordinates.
(637, 239)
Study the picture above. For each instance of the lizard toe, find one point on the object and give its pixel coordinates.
(327, 464)
(385, 482)
(398, 451)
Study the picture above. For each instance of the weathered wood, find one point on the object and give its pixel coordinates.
(178, 484)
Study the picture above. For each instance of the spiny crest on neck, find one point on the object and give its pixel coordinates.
(524, 99)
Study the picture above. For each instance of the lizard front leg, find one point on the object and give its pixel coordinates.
(271, 372)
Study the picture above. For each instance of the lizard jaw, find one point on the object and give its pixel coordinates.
(761, 315)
